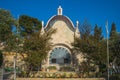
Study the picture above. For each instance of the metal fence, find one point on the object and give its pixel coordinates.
(115, 73)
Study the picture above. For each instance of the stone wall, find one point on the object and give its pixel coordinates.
(60, 79)
(63, 34)
(9, 59)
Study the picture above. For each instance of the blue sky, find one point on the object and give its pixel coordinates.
(94, 11)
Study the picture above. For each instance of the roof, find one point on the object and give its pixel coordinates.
(55, 18)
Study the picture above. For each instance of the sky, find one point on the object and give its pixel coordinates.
(94, 11)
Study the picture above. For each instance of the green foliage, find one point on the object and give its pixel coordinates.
(63, 75)
(11, 44)
(29, 25)
(97, 33)
(114, 43)
(93, 46)
(23, 74)
(6, 24)
(8, 69)
(1, 58)
(85, 30)
(115, 51)
(66, 68)
(113, 32)
(115, 77)
(36, 48)
(5, 32)
(6, 18)
(52, 68)
(71, 75)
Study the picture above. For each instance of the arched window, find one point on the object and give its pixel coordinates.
(60, 55)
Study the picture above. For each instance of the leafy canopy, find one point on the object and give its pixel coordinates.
(28, 25)
(36, 48)
(91, 44)
(6, 24)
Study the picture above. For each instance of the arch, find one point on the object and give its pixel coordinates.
(60, 55)
(53, 19)
(61, 44)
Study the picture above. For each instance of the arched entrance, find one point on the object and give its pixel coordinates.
(60, 55)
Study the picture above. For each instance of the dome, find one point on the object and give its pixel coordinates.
(55, 18)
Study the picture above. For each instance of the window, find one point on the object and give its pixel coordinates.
(54, 60)
(66, 60)
(60, 55)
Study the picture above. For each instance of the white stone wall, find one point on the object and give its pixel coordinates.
(63, 34)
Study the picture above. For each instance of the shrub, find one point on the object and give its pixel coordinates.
(1, 58)
(115, 77)
(66, 68)
(9, 69)
(23, 74)
(63, 75)
(71, 75)
(54, 75)
(52, 68)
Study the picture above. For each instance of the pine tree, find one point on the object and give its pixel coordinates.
(7, 22)
(98, 33)
(28, 25)
(93, 47)
(113, 32)
(114, 45)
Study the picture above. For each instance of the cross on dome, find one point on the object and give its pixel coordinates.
(77, 23)
(60, 10)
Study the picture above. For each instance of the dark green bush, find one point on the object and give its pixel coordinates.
(1, 58)
(8, 69)
(66, 68)
(115, 77)
(23, 74)
(52, 68)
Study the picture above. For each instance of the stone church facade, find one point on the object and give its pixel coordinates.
(61, 53)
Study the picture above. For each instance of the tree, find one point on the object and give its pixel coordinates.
(85, 30)
(99, 54)
(97, 33)
(115, 50)
(114, 45)
(1, 58)
(7, 22)
(82, 44)
(113, 32)
(36, 48)
(92, 46)
(28, 25)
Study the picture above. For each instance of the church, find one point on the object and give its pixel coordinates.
(61, 53)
